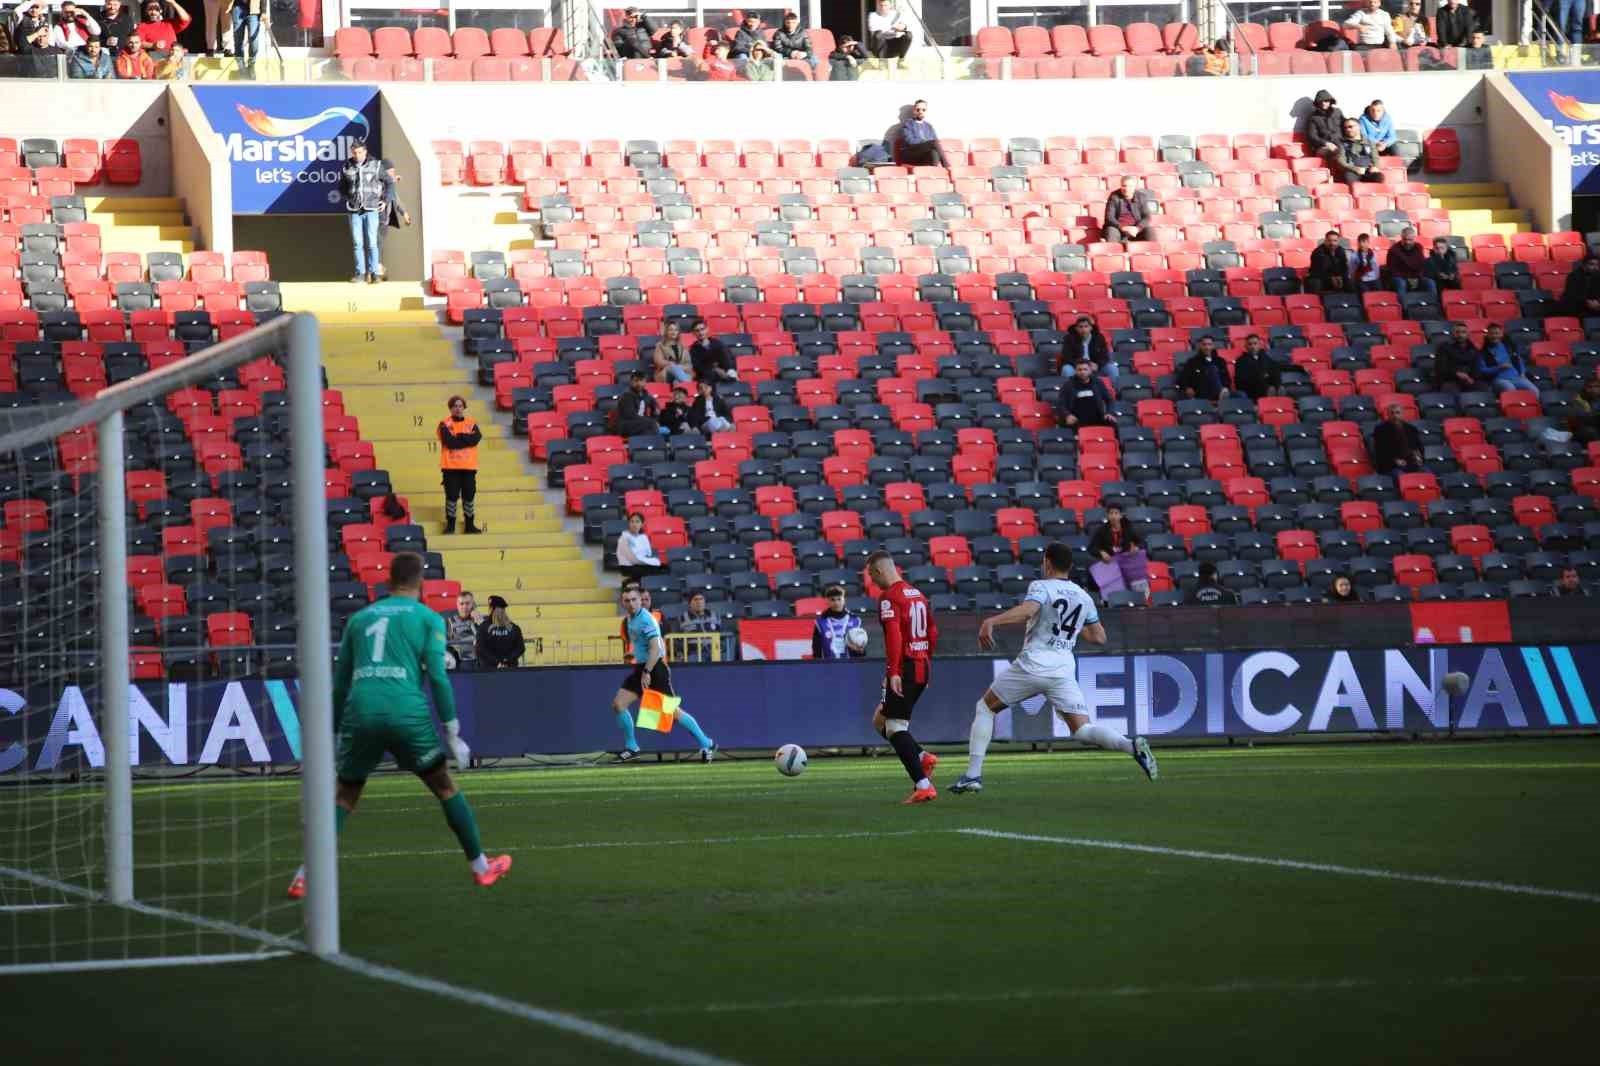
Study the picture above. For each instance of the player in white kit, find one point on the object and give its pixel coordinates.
(1058, 614)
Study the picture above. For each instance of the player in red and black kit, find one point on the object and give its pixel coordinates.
(909, 637)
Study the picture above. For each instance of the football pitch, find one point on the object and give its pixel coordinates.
(1352, 903)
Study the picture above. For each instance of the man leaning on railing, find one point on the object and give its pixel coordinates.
(697, 618)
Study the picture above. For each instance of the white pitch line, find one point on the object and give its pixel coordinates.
(23, 908)
(141, 962)
(1291, 864)
(586, 845)
(871, 1001)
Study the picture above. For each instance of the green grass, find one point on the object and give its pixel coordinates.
(816, 920)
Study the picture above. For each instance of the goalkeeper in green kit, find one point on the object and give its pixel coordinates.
(379, 705)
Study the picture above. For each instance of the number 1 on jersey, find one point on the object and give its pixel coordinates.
(379, 632)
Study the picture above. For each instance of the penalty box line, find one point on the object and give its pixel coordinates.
(1290, 864)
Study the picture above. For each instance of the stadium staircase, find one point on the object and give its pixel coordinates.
(396, 369)
(141, 224)
(1479, 208)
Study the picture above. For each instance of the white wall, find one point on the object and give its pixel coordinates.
(100, 110)
(818, 110)
(1526, 154)
(201, 174)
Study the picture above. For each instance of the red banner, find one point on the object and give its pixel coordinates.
(1473, 622)
(775, 638)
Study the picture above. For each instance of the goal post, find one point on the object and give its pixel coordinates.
(47, 852)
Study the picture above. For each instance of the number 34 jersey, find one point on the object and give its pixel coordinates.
(1064, 609)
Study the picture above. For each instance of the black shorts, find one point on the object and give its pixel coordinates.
(660, 679)
(911, 690)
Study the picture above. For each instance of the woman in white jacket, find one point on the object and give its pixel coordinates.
(635, 557)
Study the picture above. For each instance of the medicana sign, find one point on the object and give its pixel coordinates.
(287, 144)
(763, 704)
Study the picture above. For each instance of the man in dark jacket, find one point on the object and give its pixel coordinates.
(675, 416)
(500, 642)
(1442, 265)
(1581, 297)
(1454, 360)
(1407, 265)
(1325, 126)
(637, 409)
(117, 24)
(1207, 592)
(632, 38)
(792, 42)
(710, 413)
(828, 635)
(1128, 211)
(710, 359)
(746, 37)
(1084, 400)
(365, 187)
(1205, 375)
(1330, 266)
(1084, 341)
(1396, 444)
(1454, 24)
(1255, 373)
(1356, 161)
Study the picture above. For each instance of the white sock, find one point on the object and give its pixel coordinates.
(480, 865)
(1103, 736)
(978, 740)
(923, 782)
(300, 873)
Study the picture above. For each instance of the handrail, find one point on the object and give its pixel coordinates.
(1538, 25)
(1235, 37)
(927, 36)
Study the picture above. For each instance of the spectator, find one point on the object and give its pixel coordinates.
(1085, 341)
(1374, 28)
(1204, 374)
(760, 65)
(135, 64)
(160, 32)
(1568, 17)
(718, 66)
(675, 416)
(791, 42)
(1330, 266)
(1500, 365)
(500, 643)
(1342, 590)
(91, 61)
(1407, 265)
(1396, 444)
(1454, 24)
(710, 359)
(670, 360)
(632, 38)
(696, 618)
(461, 631)
(72, 28)
(635, 557)
(247, 16)
(364, 187)
(393, 213)
(1581, 296)
(1255, 372)
(746, 37)
(1084, 399)
(33, 30)
(637, 410)
(1365, 274)
(1585, 425)
(1477, 55)
(887, 35)
(1114, 538)
(1442, 266)
(1325, 126)
(1569, 584)
(1454, 362)
(917, 145)
(828, 634)
(218, 23)
(710, 413)
(1357, 162)
(117, 23)
(1207, 592)
(672, 44)
(1377, 126)
(1128, 211)
(844, 62)
(1210, 62)
(1410, 28)
(459, 437)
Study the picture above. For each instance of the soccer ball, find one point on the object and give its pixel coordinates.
(856, 639)
(790, 760)
(1456, 683)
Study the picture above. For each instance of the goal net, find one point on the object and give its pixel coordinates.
(164, 649)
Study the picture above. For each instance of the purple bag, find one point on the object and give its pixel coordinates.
(1108, 577)
(1135, 566)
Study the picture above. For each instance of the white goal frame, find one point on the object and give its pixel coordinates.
(298, 335)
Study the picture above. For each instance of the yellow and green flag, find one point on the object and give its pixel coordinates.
(657, 710)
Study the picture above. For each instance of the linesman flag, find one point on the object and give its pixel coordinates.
(657, 710)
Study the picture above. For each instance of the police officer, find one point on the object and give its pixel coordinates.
(458, 461)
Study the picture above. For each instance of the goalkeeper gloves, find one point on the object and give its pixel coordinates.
(458, 747)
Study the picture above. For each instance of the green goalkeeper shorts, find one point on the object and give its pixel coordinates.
(411, 739)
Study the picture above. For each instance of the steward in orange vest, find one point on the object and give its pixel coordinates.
(458, 460)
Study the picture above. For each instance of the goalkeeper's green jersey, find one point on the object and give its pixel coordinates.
(386, 649)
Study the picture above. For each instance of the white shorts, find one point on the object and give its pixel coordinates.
(1014, 685)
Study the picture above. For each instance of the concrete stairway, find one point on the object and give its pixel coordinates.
(141, 224)
(1479, 207)
(396, 370)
